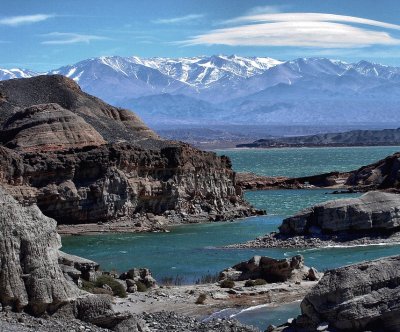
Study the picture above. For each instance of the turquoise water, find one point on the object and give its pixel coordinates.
(191, 251)
(297, 162)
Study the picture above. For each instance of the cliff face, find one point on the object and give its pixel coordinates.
(83, 161)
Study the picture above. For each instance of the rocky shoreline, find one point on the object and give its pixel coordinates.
(373, 218)
(276, 240)
(381, 175)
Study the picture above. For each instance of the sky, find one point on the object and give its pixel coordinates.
(47, 34)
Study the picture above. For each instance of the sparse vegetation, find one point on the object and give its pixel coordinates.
(208, 279)
(169, 281)
(141, 287)
(227, 283)
(201, 299)
(117, 288)
(257, 282)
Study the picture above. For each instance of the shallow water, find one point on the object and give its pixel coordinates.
(261, 316)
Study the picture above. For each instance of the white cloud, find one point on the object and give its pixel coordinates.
(24, 19)
(271, 9)
(62, 38)
(178, 20)
(299, 29)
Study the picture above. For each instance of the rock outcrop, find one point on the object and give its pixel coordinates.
(271, 270)
(113, 124)
(381, 175)
(83, 161)
(30, 277)
(374, 211)
(360, 297)
(370, 219)
(48, 127)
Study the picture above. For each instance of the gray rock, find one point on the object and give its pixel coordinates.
(269, 269)
(358, 297)
(30, 276)
(373, 211)
(98, 310)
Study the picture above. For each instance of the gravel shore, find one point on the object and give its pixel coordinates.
(276, 240)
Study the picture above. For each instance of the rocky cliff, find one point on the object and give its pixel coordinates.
(83, 161)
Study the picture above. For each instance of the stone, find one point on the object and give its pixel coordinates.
(269, 269)
(30, 276)
(98, 310)
(313, 274)
(86, 267)
(359, 297)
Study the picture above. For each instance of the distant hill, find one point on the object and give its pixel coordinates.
(350, 138)
(236, 90)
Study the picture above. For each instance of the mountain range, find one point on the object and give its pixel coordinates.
(240, 90)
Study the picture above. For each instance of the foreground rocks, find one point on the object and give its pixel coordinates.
(84, 162)
(359, 297)
(370, 219)
(271, 270)
(30, 277)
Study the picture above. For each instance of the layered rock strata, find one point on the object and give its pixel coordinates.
(85, 162)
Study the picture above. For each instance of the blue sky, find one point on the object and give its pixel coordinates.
(46, 34)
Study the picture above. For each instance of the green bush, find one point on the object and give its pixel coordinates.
(141, 287)
(257, 282)
(117, 288)
(227, 283)
(201, 299)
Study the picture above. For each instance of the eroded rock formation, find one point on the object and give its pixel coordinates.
(30, 277)
(48, 127)
(360, 297)
(83, 161)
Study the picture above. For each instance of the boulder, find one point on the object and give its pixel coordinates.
(359, 297)
(135, 275)
(373, 211)
(98, 310)
(30, 276)
(86, 267)
(270, 269)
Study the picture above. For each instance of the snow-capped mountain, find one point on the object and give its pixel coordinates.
(234, 89)
(204, 71)
(7, 74)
